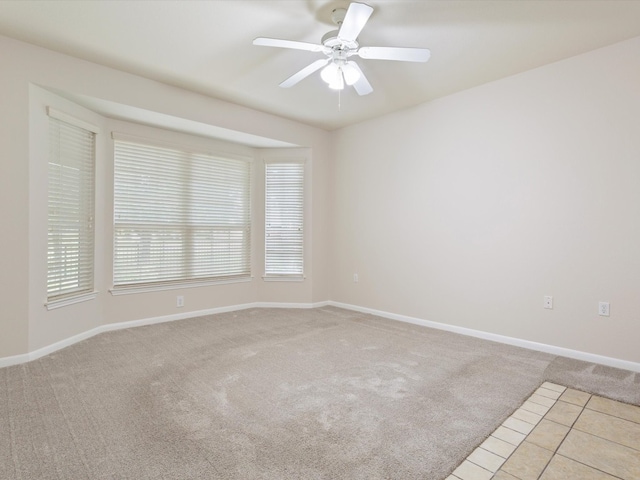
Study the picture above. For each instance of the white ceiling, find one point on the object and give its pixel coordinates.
(205, 46)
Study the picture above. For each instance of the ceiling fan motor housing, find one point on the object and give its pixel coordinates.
(331, 40)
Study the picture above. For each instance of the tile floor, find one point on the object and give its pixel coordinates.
(560, 434)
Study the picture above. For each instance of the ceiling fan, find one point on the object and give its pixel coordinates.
(339, 46)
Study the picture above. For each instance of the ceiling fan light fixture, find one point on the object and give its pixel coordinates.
(338, 82)
(330, 73)
(351, 73)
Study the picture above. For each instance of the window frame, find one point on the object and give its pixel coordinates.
(274, 276)
(186, 281)
(86, 247)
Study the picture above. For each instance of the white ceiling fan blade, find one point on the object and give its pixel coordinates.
(354, 21)
(402, 54)
(304, 73)
(276, 42)
(362, 85)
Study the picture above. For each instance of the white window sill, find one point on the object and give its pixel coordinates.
(63, 302)
(115, 291)
(284, 278)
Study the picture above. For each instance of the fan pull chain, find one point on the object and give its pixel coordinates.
(339, 98)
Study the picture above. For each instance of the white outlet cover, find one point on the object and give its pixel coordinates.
(548, 301)
(603, 309)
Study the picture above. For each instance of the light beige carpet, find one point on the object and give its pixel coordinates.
(272, 394)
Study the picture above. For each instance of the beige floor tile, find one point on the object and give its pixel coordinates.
(535, 408)
(501, 475)
(499, 447)
(526, 416)
(528, 461)
(540, 400)
(485, 459)
(604, 443)
(575, 396)
(471, 471)
(509, 436)
(562, 468)
(548, 435)
(615, 429)
(617, 409)
(604, 455)
(553, 386)
(518, 425)
(564, 413)
(545, 392)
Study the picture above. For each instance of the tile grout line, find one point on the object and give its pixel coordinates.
(603, 438)
(552, 402)
(586, 407)
(572, 427)
(588, 466)
(487, 460)
(555, 452)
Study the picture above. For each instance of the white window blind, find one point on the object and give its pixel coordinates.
(284, 220)
(70, 245)
(179, 216)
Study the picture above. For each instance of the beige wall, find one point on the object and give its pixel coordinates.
(469, 209)
(465, 210)
(25, 324)
(14, 199)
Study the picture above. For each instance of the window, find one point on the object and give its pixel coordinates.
(284, 220)
(70, 222)
(179, 216)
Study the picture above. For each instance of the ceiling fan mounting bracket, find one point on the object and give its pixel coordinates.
(337, 15)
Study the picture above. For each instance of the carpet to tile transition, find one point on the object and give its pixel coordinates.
(272, 394)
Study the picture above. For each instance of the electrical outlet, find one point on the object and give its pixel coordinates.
(548, 301)
(603, 309)
(355, 278)
(180, 301)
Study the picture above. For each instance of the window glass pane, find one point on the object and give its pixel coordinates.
(179, 216)
(70, 235)
(284, 219)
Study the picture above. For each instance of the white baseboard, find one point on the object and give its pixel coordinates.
(41, 352)
(290, 305)
(541, 347)
(14, 360)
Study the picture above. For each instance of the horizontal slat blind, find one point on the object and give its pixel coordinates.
(70, 250)
(284, 220)
(179, 216)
